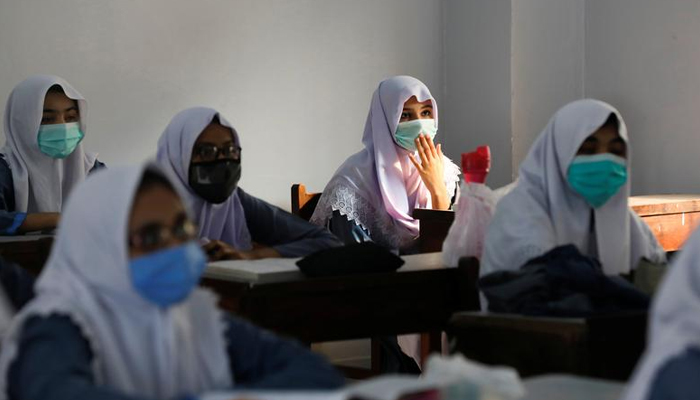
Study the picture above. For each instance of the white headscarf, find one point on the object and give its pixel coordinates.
(225, 221)
(378, 188)
(674, 326)
(138, 348)
(542, 212)
(41, 183)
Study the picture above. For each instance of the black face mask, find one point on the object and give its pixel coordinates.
(215, 181)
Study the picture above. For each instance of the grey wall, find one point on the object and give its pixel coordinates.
(294, 77)
(644, 57)
(546, 66)
(477, 104)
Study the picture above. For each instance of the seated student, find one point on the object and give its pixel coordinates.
(371, 197)
(118, 315)
(43, 158)
(671, 363)
(573, 188)
(203, 153)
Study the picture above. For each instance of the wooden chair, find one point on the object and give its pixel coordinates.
(303, 203)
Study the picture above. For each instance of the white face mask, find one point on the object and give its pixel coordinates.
(407, 132)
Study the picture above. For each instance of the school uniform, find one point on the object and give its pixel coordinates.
(241, 219)
(372, 196)
(670, 365)
(31, 181)
(10, 218)
(543, 211)
(92, 332)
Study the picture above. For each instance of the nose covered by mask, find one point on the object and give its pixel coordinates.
(214, 181)
(59, 140)
(597, 177)
(167, 277)
(407, 132)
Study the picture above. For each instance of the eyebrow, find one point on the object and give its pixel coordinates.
(427, 106)
(50, 110)
(230, 142)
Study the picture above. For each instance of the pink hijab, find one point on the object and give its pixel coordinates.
(378, 188)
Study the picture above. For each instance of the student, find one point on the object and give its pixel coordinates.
(118, 315)
(573, 188)
(43, 158)
(671, 363)
(371, 197)
(202, 150)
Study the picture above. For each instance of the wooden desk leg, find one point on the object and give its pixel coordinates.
(375, 356)
(430, 342)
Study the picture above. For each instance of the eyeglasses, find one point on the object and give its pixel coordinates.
(155, 235)
(208, 152)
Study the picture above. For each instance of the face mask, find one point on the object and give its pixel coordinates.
(59, 140)
(167, 277)
(407, 132)
(215, 181)
(597, 178)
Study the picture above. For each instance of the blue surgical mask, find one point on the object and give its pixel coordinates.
(167, 277)
(59, 140)
(598, 177)
(407, 132)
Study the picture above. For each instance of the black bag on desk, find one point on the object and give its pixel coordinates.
(360, 258)
(562, 283)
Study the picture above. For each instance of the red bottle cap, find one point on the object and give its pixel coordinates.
(476, 165)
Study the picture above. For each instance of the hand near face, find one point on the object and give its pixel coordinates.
(217, 250)
(432, 170)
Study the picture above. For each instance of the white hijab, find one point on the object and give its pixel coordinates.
(542, 212)
(379, 188)
(138, 348)
(41, 183)
(674, 326)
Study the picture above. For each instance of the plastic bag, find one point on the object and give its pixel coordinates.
(472, 217)
(460, 379)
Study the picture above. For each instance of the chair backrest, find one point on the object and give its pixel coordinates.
(303, 203)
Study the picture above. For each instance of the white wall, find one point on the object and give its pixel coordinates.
(294, 77)
(546, 66)
(477, 105)
(643, 56)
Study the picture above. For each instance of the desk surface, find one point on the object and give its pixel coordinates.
(660, 204)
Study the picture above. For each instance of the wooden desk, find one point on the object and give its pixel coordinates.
(30, 252)
(419, 297)
(602, 347)
(434, 225)
(672, 218)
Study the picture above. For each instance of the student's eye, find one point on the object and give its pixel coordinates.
(427, 113)
(619, 151)
(404, 116)
(47, 120)
(72, 118)
(586, 150)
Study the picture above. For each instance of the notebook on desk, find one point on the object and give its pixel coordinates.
(253, 271)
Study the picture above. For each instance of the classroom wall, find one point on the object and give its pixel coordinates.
(477, 105)
(644, 57)
(547, 63)
(294, 77)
